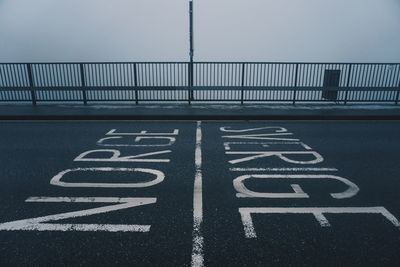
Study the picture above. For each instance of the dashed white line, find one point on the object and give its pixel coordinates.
(197, 250)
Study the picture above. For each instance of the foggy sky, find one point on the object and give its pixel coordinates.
(225, 30)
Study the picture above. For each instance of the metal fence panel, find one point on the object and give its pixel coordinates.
(210, 81)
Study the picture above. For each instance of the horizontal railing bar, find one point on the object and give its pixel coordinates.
(201, 62)
(216, 88)
(99, 62)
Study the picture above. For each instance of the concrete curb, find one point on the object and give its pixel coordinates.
(200, 117)
(199, 112)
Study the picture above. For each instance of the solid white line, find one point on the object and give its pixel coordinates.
(197, 251)
(280, 169)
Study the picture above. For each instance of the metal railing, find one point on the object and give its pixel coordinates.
(202, 81)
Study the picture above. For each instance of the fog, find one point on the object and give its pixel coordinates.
(224, 30)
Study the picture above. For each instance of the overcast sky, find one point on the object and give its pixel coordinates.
(225, 30)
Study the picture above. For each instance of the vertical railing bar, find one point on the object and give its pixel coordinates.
(367, 75)
(135, 83)
(83, 83)
(65, 79)
(359, 70)
(102, 77)
(97, 76)
(219, 74)
(121, 76)
(114, 78)
(398, 88)
(391, 78)
(189, 73)
(13, 75)
(53, 75)
(242, 90)
(2, 80)
(386, 76)
(163, 79)
(7, 72)
(364, 75)
(373, 76)
(42, 73)
(169, 75)
(348, 83)
(295, 83)
(31, 84)
(264, 67)
(64, 73)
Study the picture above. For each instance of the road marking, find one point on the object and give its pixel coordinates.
(280, 154)
(243, 191)
(226, 129)
(282, 169)
(39, 223)
(159, 177)
(227, 145)
(112, 132)
(317, 212)
(172, 140)
(262, 137)
(197, 251)
(116, 156)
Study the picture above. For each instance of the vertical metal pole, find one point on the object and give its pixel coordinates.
(242, 90)
(135, 83)
(348, 84)
(31, 85)
(83, 83)
(190, 91)
(398, 90)
(295, 83)
(191, 52)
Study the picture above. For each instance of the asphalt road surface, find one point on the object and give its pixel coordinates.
(209, 193)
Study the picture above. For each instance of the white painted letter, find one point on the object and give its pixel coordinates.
(112, 132)
(38, 224)
(317, 158)
(171, 141)
(116, 156)
(243, 191)
(159, 177)
(279, 129)
(318, 213)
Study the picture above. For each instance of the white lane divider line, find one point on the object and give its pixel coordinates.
(197, 250)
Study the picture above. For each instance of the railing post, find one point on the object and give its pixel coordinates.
(135, 83)
(83, 83)
(242, 90)
(295, 84)
(398, 91)
(190, 80)
(348, 84)
(31, 85)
